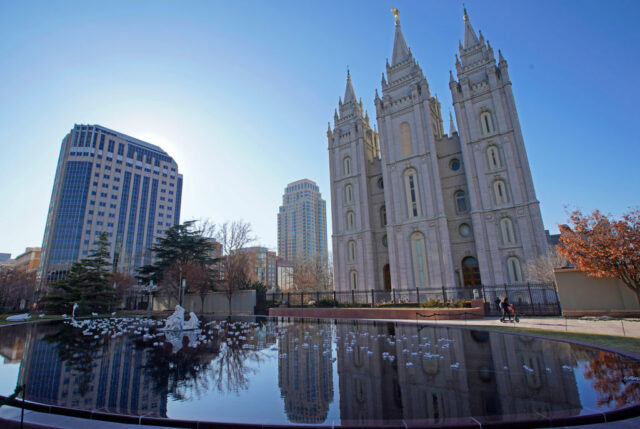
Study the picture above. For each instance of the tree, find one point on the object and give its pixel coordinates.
(604, 247)
(541, 268)
(182, 248)
(88, 283)
(17, 288)
(237, 265)
(125, 288)
(312, 274)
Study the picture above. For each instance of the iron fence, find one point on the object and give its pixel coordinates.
(528, 299)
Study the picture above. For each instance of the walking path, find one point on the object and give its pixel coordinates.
(618, 327)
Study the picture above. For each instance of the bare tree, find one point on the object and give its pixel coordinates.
(237, 265)
(312, 274)
(17, 288)
(541, 268)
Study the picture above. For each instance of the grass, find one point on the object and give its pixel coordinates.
(613, 341)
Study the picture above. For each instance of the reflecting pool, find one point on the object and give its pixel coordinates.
(324, 372)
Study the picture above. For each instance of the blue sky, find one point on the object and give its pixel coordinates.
(240, 93)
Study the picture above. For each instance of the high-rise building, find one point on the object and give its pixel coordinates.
(264, 265)
(108, 182)
(414, 207)
(302, 221)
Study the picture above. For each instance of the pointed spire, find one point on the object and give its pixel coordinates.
(501, 58)
(349, 93)
(452, 128)
(470, 38)
(451, 79)
(400, 51)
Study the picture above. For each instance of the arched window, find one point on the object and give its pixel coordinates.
(412, 194)
(461, 201)
(351, 221)
(383, 216)
(351, 251)
(353, 279)
(493, 155)
(419, 256)
(348, 194)
(500, 192)
(513, 269)
(507, 231)
(406, 147)
(346, 163)
(486, 122)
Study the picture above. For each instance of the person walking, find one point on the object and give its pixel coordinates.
(506, 312)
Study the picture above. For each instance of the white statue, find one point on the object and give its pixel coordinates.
(176, 320)
(192, 323)
(175, 339)
(73, 313)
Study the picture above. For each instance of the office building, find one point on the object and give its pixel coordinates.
(108, 182)
(302, 222)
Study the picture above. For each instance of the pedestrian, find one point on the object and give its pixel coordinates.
(504, 306)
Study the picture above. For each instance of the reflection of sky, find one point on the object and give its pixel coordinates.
(588, 395)
(8, 378)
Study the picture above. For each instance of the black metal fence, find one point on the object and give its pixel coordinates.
(528, 299)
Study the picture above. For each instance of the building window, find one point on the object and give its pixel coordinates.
(405, 139)
(348, 194)
(464, 230)
(413, 197)
(352, 251)
(461, 201)
(346, 163)
(385, 242)
(383, 216)
(513, 269)
(419, 256)
(508, 233)
(486, 122)
(454, 164)
(353, 279)
(493, 155)
(500, 192)
(380, 183)
(351, 221)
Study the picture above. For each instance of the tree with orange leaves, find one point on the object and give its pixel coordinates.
(602, 246)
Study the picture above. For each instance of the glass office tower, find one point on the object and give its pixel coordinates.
(108, 182)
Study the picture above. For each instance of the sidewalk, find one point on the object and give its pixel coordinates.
(618, 327)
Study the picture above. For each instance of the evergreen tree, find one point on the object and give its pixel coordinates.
(87, 283)
(183, 248)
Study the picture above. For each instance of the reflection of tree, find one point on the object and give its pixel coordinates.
(182, 373)
(78, 352)
(230, 371)
(614, 379)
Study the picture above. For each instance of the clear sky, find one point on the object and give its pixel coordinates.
(240, 93)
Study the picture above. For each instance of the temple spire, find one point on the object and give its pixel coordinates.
(349, 93)
(452, 128)
(400, 51)
(470, 38)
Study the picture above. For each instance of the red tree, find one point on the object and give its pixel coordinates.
(604, 247)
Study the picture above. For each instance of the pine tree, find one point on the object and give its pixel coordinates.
(87, 283)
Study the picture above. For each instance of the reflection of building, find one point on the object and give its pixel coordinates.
(426, 209)
(12, 343)
(469, 379)
(302, 222)
(109, 182)
(115, 371)
(305, 376)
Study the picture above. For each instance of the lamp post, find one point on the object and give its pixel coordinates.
(184, 286)
(115, 284)
(149, 304)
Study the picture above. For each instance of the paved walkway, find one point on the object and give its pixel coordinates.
(618, 327)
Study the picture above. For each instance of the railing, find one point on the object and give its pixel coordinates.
(529, 299)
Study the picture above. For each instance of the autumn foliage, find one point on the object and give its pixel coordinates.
(602, 246)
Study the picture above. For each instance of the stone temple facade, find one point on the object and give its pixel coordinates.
(415, 207)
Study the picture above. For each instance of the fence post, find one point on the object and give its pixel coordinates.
(353, 297)
(317, 297)
(288, 299)
(393, 294)
(530, 296)
(418, 296)
(373, 299)
(444, 295)
(302, 299)
(335, 303)
(484, 295)
(505, 289)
